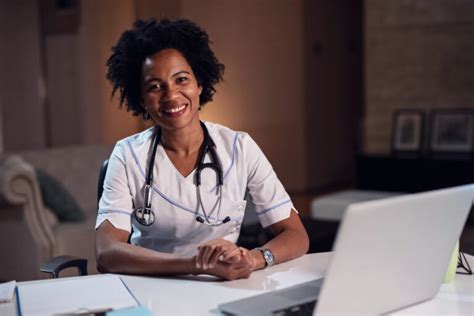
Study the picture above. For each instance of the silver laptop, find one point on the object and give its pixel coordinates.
(389, 254)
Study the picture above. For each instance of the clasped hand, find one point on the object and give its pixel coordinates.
(224, 259)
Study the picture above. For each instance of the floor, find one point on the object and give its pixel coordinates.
(302, 202)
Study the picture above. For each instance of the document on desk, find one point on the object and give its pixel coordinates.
(74, 296)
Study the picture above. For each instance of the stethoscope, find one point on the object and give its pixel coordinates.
(145, 215)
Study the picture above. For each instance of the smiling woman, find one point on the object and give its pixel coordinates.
(170, 90)
(175, 194)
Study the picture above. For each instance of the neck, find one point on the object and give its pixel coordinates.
(185, 141)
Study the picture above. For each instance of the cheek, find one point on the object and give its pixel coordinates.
(193, 94)
(150, 98)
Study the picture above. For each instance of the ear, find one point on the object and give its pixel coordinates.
(200, 89)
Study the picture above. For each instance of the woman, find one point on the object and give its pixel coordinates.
(165, 71)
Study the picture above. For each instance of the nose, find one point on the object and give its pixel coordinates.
(170, 93)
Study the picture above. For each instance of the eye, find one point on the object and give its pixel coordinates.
(182, 79)
(155, 86)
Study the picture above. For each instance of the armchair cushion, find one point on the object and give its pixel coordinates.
(58, 199)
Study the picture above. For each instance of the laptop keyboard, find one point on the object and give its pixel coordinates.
(300, 309)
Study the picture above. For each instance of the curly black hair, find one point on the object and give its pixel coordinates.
(151, 36)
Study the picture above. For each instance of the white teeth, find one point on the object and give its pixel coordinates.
(174, 110)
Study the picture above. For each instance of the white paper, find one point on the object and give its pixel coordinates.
(6, 291)
(74, 295)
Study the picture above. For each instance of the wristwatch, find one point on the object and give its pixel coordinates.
(268, 256)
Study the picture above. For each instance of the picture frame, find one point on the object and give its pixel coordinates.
(408, 131)
(452, 131)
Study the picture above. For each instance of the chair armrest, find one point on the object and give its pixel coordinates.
(21, 202)
(15, 175)
(19, 187)
(59, 263)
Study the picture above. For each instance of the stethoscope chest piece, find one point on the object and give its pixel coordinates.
(145, 216)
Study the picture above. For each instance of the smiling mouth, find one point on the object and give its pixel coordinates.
(176, 111)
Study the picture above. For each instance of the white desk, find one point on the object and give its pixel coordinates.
(186, 296)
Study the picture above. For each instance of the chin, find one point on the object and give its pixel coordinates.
(178, 123)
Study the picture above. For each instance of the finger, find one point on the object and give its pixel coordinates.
(243, 272)
(199, 256)
(204, 248)
(232, 251)
(207, 255)
(247, 260)
(218, 252)
(232, 255)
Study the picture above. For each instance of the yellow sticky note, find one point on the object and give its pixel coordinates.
(453, 264)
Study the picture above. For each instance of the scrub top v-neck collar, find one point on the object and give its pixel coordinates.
(166, 160)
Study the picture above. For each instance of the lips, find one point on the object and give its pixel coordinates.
(174, 111)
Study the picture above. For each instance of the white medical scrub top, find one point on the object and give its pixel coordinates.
(174, 197)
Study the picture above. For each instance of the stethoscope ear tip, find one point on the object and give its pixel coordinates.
(201, 220)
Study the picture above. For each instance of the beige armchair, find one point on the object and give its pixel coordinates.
(30, 234)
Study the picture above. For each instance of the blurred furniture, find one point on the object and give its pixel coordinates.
(413, 174)
(57, 264)
(381, 176)
(331, 207)
(30, 234)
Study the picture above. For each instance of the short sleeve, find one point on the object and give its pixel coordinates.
(268, 196)
(116, 204)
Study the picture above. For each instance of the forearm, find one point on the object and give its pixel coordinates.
(291, 241)
(286, 246)
(115, 255)
(130, 259)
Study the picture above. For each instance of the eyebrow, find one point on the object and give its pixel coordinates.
(158, 79)
(181, 72)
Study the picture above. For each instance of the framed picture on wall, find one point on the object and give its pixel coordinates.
(407, 131)
(452, 131)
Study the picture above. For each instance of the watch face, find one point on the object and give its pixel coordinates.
(268, 255)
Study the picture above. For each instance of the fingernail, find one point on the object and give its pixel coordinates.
(221, 258)
(198, 265)
(205, 266)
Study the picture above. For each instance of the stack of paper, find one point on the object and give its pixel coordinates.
(6, 291)
(74, 295)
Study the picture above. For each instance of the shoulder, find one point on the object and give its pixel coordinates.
(228, 136)
(237, 145)
(134, 143)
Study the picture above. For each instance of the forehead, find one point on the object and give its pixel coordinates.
(165, 62)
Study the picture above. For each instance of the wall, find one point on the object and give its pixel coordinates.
(333, 81)
(52, 85)
(82, 111)
(263, 88)
(418, 54)
(21, 77)
(114, 17)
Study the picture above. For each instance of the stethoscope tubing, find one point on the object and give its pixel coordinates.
(146, 216)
